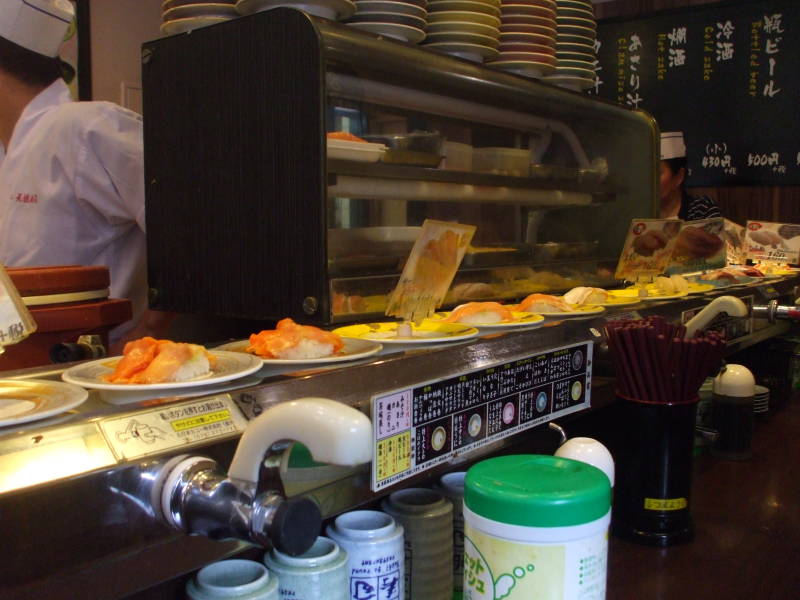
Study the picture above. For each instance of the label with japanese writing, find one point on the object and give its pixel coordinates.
(772, 242)
(496, 568)
(418, 428)
(172, 426)
(665, 504)
(16, 323)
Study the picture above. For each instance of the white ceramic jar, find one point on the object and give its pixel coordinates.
(375, 560)
(233, 579)
(318, 574)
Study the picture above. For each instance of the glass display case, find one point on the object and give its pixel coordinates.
(261, 204)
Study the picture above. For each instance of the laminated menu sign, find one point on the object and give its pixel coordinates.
(16, 323)
(648, 248)
(699, 246)
(772, 242)
(733, 235)
(429, 270)
(417, 428)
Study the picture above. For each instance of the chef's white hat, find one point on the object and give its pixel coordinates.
(672, 145)
(38, 25)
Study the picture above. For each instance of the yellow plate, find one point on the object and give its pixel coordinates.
(428, 332)
(578, 311)
(521, 319)
(700, 288)
(617, 301)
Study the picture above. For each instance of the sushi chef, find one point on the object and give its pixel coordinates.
(675, 200)
(72, 178)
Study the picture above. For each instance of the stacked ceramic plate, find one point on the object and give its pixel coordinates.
(400, 20)
(527, 38)
(464, 28)
(761, 400)
(577, 31)
(178, 16)
(335, 10)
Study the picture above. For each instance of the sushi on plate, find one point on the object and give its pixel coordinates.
(291, 341)
(480, 313)
(544, 303)
(148, 360)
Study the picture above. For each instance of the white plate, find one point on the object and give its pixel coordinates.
(428, 332)
(462, 38)
(397, 8)
(532, 11)
(353, 349)
(24, 400)
(462, 27)
(200, 10)
(526, 68)
(329, 9)
(471, 17)
(230, 365)
(357, 151)
(404, 33)
(462, 5)
(473, 52)
(184, 25)
(122, 397)
(578, 84)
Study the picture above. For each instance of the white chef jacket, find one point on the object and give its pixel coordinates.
(72, 191)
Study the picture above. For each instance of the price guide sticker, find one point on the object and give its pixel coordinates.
(16, 322)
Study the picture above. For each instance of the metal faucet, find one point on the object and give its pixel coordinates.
(773, 311)
(191, 494)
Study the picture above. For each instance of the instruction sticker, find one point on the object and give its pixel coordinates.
(417, 428)
(172, 426)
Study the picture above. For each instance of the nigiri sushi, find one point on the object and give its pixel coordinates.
(480, 312)
(586, 295)
(294, 342)
(148, 360)
(536, 303)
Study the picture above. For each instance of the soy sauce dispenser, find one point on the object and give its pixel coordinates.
(732, 413)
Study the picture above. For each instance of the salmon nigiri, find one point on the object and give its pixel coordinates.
(480, 312)
(294, 342)
(536, 303)
(148, 360)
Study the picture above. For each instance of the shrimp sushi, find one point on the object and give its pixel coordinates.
(480, 312)
(290, 341)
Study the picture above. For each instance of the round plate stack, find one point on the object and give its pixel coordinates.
(464, 28)
(527, 38)
(577, 31)
(335, 10)
(761, 400)
(178, 16)
(399, 20)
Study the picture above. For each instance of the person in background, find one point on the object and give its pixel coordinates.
(72, 177)
(675, 200)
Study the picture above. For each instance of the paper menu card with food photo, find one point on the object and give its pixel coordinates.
(699, 246)
(772, 242)
(647, 248)
(733, 235)
(429, 270)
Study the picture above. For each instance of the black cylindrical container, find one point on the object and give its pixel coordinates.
(654, 473)
(732, 418)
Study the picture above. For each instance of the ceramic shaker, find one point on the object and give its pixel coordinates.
(233, 579)
(427, 517)
(375, 560)
(318, 574)
(451, 486)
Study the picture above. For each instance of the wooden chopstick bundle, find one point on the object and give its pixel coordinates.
(655, 364)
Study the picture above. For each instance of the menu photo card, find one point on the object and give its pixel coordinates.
(648, 248)
(767, 242)
(733, 235)
(16, 322)
(699, 246)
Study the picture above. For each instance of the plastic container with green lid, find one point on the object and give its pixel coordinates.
(535, 526)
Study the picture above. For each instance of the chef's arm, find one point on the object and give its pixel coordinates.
(154, 323)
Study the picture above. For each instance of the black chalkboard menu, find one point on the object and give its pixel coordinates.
(726, 74)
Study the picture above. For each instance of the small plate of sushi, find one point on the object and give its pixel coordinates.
(291, 343)
(490, 315)
(427, 332)
(556, 306)
(592, 296)
(149, 364)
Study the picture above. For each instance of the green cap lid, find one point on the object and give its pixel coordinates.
(537, 491)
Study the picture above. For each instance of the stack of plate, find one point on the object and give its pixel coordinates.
(335, 10)
(178, 16)
(400, 20)
(577, 31)
(464, 28)
(527, 38)
(761, 400)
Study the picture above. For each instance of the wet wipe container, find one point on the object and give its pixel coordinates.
(535, 526)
